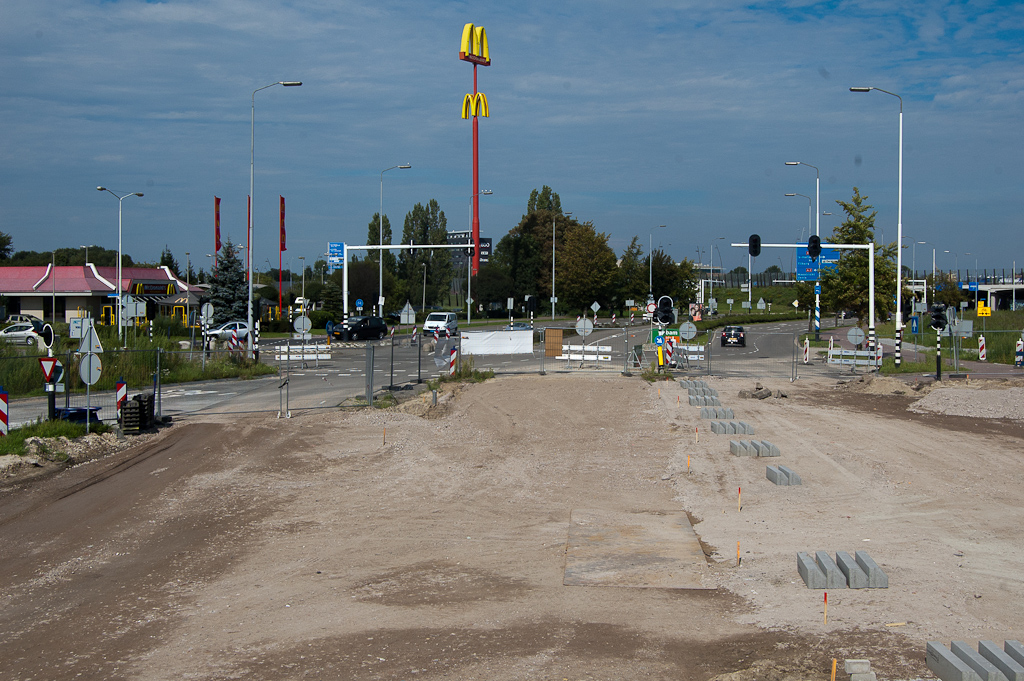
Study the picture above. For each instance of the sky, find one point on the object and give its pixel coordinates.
(638, 114)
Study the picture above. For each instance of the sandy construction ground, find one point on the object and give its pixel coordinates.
(430, 543)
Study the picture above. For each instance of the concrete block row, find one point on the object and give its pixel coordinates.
(753, 448)
(860, 670)
(704, 401)
(716, 413)
(960, 662)
(783, 476)
(857, 572)
(703, 392)
(693, 384)
(732, 428)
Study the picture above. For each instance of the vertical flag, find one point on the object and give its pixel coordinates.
(282, 225)
(216, 228)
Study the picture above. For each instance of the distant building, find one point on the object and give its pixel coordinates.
(459, 255)
(84, 290)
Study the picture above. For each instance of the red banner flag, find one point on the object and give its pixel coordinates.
(282, 225)
(216, 223)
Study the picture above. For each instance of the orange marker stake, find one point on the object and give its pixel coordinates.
(737, 554)
(833, 669)
(826, 607)
(696, 435)
(677, 400)
(739, 499)
(384, 441)
(687, 463)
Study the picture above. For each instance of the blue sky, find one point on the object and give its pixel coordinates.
(638, 114)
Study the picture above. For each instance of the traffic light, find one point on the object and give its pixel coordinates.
(412, 251)
(814, 246)
(938, 316)
(665, 314)
(469, 251)
(754, 245)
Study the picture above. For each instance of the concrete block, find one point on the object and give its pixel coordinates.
(747, 429)
(857, 666)
(728, 413)
(769, 449)
(718, 428)
(1015, 650)
(736, 448)
(947, 666)
(855, 577)
(1010, 668)
(813, 577)
(755, 448)
(712, 401)
(794, 479)
(705, 414)
(865, 676)
(776, 476)
(877, 579)
(712, 392)
(985, 669)
(834, 577)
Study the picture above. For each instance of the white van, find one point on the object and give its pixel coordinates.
(441, 321)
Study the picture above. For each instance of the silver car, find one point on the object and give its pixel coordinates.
(21, 333)
(224, 331)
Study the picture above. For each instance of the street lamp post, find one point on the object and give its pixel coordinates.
(809, 208)
(188, 269)
(380, 222)
(120, 303)
(567, 215)
(711, 272)
(928, 243)
(899, 227)
(87, 252)
(817, 232)
(302, 264)
(252, 203)
(650, 262)
(424, 305)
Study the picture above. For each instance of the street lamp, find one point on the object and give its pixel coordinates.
(424, 305)
(567, 215)
(380, 222)
(650, 263)
(120, 303)
(933, 263)
(711, 271)
(188, 268)
(302, 264)
(808, 218)
(87, 252)
(817, 232)
(252, 201)
(899, 226)
(956, 264)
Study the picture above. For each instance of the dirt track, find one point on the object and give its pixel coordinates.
(413, 544)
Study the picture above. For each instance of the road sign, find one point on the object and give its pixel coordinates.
(973, 286)
(855, 335)
(728, 301)
(584, 327)
(817, 289)
(359, 303)
(90, 341)
(47, 334)
(596, 306)
(90, 368)
(745, 305)
(659, 340)
(47, 364)
(629, 302)
(796, 304)
(408, 315)
(810, 270)
(302, 324)
(760, 304)
(915, 324)
(687, 330)
(984, 311)
(206, 311)
(651, 307)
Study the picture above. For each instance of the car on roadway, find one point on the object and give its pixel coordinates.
(225, 331)
(439, 321)
(519, 326)
(25, 319)
(22, 333)
(734, 335)
(361, 328)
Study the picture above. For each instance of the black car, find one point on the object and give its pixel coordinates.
(361, 328)
(734, 335)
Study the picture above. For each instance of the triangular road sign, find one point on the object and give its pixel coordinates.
(90, 341)
(47, 364)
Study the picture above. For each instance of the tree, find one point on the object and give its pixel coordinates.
(546, 199)
(167, 260)
(491, 285)
(6, 246)
(631, 282)
(334, 302)
(373, 231)
(586, 267)
(425, 225)
(846, 286)
(230, 291)
(773, 270)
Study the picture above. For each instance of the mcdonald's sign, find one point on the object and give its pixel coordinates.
(474, 46)
(475, 105)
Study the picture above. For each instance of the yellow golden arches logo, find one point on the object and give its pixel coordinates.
(475, 105)
(474, 45)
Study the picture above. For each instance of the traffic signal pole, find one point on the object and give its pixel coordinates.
(938, 354)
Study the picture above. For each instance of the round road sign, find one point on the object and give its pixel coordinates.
(584, 327)
(651, 307)
(687, 330)
(302, 324)
(855, 335)
(207, 312)
(90, 368)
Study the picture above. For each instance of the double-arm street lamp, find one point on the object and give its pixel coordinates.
(817, 232)
(120, 303)
(380, 221)
(929, 243)
(252, 202)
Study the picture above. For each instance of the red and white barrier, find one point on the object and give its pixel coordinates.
(121, 394)
(451, 361)
(982, 352)
(668, 351)
(3, 412)
(807, 350)
(613, 319)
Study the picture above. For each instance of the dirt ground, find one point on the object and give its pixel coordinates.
(430, 543)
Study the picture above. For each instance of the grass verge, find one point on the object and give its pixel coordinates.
(14, 443)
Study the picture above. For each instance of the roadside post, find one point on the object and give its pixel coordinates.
(3, 412)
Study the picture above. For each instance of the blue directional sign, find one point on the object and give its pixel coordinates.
(810, 270)
(973, 286)
(335, 256)
(660, 340)
(914, 321)
(817, 289)
(359, 303)
(336, 247)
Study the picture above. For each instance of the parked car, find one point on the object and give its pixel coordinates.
(362, 328)
(519, 326)
(224, 331)
(24, 318)
(441, 321)
(23, 333)
(734, 335)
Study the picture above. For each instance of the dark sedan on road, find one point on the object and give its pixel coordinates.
(362, 328)
(734, 335)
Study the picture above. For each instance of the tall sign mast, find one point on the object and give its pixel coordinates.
(474, 50)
